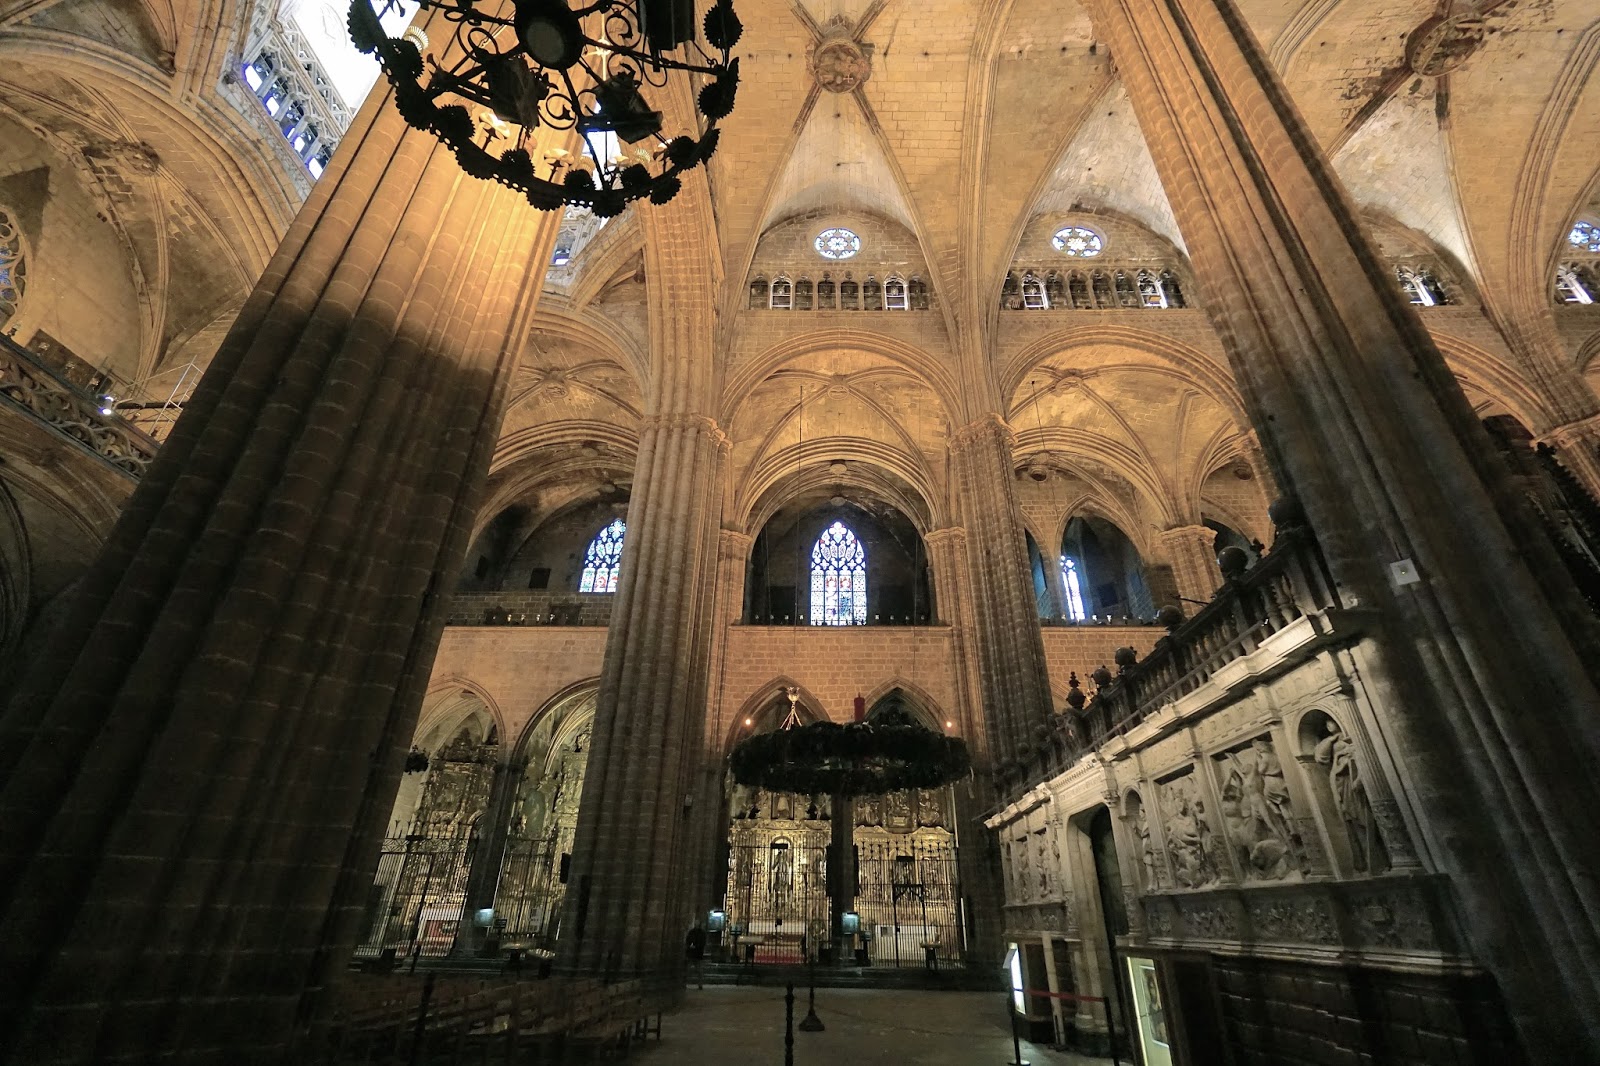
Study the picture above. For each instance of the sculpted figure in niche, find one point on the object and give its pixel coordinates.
(897, 812)
(1147, 848)
(1024, 872)
(1336, 752)
(1257, 814)
(1190, 836)
(1044, 866)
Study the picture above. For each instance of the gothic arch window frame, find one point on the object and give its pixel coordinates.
(760, 292)
(1151, 293)
(802, 294)
(895, 295)
(13, 265)
(1034, 298)
(782, 298)
(838, 578)
(827, 293)
(1572, 287)
(603, 559)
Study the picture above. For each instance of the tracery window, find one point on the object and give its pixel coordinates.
(1150, 293)
(1127, 295)
(1070, 577)
(838, 578)
(894, 294)
(1421, 287)
(1573, 287)
(919, 294)
(1078, 242)
(827, 294)
(837, 243)
(13, 266)
(782, 294)
(604, 558)
(802, 294)
(871, 294)
(1033, 297)
(760, 292)
(1585, 235)
(849, 295)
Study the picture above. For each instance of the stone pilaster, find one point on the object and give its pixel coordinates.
(198, 771)
(1194, 565)
(1011, 666)
(628, 898)
(1364, 423)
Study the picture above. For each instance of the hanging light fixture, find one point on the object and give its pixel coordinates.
(515, 67)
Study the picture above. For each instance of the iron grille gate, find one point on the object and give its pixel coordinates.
(416, 897)
(533, 886)
(906, 894)
(777, 897)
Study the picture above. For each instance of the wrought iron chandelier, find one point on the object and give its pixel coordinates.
(515, 67)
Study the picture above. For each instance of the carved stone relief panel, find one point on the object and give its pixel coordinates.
(1296, 919)
(1335, 762)
(1047, 873)
(1257, 812)
(1191, 844)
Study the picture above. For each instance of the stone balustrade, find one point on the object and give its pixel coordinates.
(30, 386)
(1289, 585)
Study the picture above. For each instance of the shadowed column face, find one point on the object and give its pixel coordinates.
(197, 771)
(630, 896)
(1016, 690)
(1366, 426)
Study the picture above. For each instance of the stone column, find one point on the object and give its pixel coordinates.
(198, 771)
(1194, 565)
(710, 877)
(627, 906)
(976, 863)
(1363, 422)
(1012, 678)
(841, 869)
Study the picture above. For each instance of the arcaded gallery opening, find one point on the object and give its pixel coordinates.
(837, 532)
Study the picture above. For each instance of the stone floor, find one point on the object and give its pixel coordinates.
(866, 1027)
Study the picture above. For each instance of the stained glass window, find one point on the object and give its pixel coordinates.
(1071, 578)
(13, 267)
(1585, 235)
(604, 557)
(838, 579)
(1078, 242)
(837, 244)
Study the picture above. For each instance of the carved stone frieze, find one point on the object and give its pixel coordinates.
(1296, 919)
(1391, 918)
(1048, 917)
(64, 409)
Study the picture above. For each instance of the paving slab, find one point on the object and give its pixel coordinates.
(865, 1027)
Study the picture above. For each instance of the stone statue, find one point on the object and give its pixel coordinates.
(1337, 753)
(1257, 812)
(1147, 849)
(1190, 835)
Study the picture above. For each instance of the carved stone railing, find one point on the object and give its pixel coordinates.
(29, 385)
(1289, 582)
(530, 608)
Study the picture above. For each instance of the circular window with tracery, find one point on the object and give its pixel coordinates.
(1078, 242)
(837, 244)
(13, 266)
(1585, 235)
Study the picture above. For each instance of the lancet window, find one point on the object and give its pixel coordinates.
(894, 294)
(1071, 578)
(1033, 294)
(1420, 286)
(1574, 285)
(838, 578)
(782, 293)
(604, 559)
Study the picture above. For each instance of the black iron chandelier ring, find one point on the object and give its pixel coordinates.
(520, 66)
